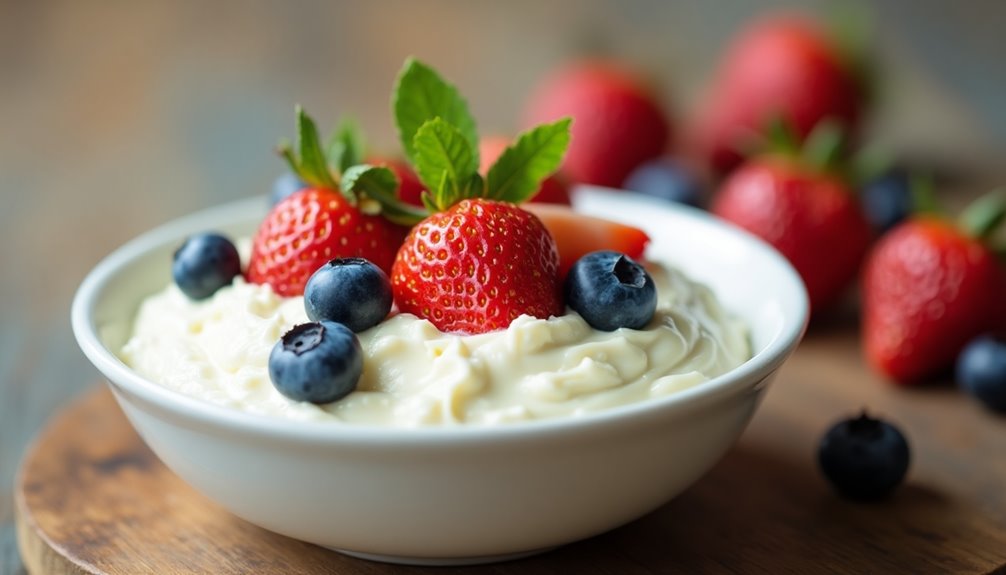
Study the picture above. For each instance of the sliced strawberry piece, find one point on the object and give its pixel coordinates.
(578, 234)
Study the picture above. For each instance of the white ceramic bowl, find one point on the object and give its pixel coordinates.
(454, 495)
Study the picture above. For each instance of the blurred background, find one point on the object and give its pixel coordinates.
(116, 116)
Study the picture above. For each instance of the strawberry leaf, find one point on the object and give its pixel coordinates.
(421, 95)
(521, 168)
(781, 136)
(446, 162)
(380, 184)
(823, 146)
(345, 146)
(984, 216)
(313, 165)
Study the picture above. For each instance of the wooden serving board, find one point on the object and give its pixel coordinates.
(91, 498)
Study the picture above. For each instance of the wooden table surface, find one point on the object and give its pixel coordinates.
(115, 117)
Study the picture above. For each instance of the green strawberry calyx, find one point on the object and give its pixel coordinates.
(984, 216)
(440, 139)
(823, 150)
(338, 166)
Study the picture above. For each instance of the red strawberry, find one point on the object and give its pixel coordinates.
(811, 216)
(576, 234)
(780, 66)
(928, 289)
(476, 267)
(479, 261)
(321, 222)
(617, 124)
(309, 228)
(553, 190)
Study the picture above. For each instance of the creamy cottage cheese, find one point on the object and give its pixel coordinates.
(414, 375)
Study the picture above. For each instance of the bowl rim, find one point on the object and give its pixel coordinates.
(119, 375)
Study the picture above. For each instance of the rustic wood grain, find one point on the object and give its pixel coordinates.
(91, 498)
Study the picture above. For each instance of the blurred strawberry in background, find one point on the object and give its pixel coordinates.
(781, 66)
(798, 199)
(554, 189)
(930, 286)
(617, 121)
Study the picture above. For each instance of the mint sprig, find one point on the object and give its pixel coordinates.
(446, 163)
(420, 95)
(519, 171)
(440, 139)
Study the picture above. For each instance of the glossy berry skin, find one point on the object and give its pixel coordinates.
(205, 263)
(316, 362)
(981, 371)
(864, 458)
(887, 200)
(577, 234)
(928, 290)
(476, 267)
(617, 123)
(350, 291)
(309, 228)
(553, 190)
(284, 186)
(779, 66)
(811, 217)
(667, 180)
(611, 291)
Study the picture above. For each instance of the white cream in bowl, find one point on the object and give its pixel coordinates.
(414, 375)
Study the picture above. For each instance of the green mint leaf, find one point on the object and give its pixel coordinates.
(380, 184)
(446, 162)
(421, 95)
(313, 162)
(519, 171)
(346, 146)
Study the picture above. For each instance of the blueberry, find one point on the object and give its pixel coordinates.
(351, 291)
(320, 362)
(668, 180)
(887, 200)
(610, 291)
(981, 371)
(285, 186)
(864, 458)
(205, 263)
